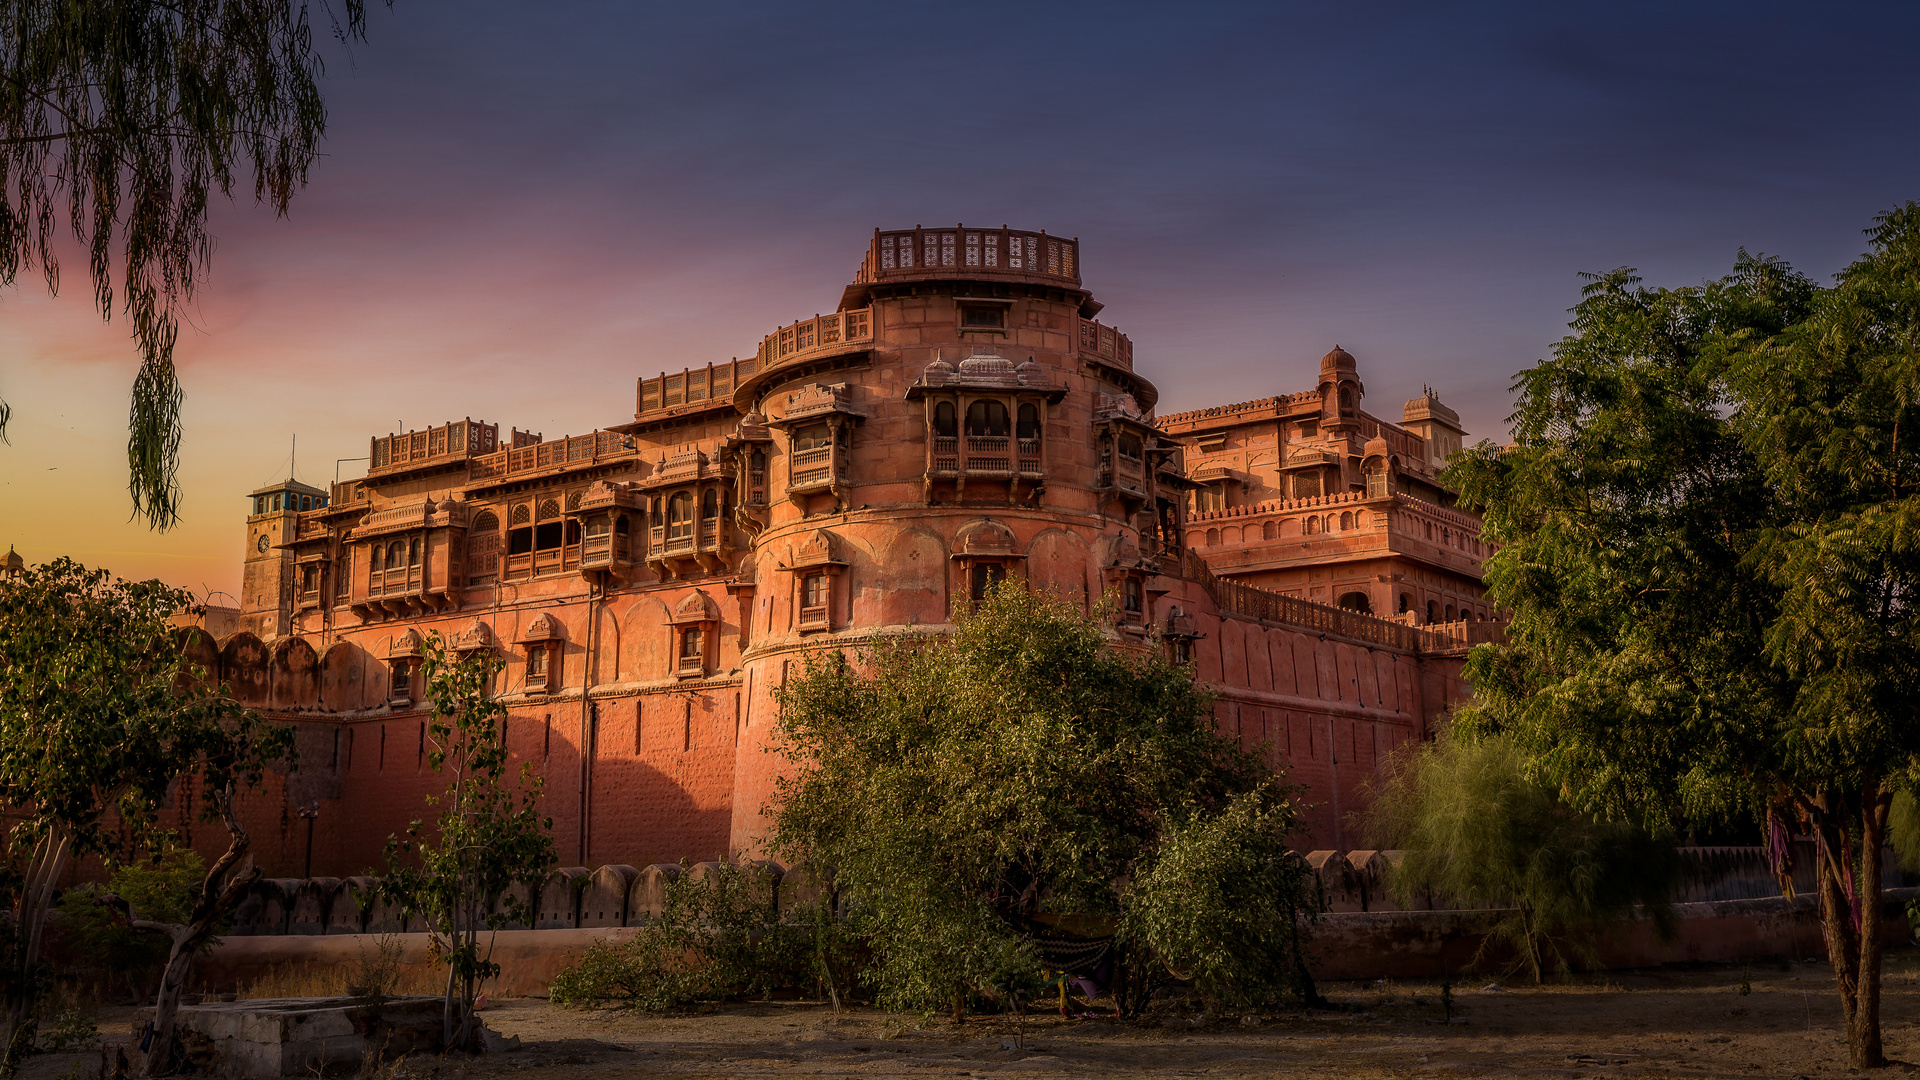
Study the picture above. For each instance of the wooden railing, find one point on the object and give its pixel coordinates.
(566, 450)
(451, 441)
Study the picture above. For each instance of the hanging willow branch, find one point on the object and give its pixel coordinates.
(130, 113)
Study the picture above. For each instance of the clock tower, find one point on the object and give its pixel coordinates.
(266, 585)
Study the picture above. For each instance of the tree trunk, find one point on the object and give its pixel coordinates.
(1854, 947)
(30, 922)
(226, 881)
(1863, 1026)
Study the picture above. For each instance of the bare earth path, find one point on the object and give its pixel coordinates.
(1651, 1024)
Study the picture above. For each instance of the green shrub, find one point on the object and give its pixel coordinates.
(715, 938)
(93, 921)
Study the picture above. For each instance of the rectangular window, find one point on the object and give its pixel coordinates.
(536, 665)
(402, 679)
(985, 577)
(982, 316)
(546, 536)
(690, 644)
(519, 541)
(1133, 596)
(816, 590)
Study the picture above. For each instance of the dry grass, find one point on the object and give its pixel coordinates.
(378, 971)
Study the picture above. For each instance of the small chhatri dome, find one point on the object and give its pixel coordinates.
(14, 561)
(1030, 373)
(1337, 360)
(938, 373)
(990, 368)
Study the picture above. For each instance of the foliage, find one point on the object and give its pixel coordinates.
(1706, 528)
(716, 937)
(1479, 833)
(969, 790)
(1208, 904)
(490, 834)
(1903, 829)
(97, 923)
(101, 717)
(140, 111)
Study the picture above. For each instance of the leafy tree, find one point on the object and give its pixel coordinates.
(101, 717)
(140, 110)
(1479, 833)
(980, 793)
(490, 834)
(1706, 525)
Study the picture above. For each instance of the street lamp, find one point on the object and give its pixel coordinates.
(310, 811)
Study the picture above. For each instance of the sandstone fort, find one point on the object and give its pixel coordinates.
(964, 417)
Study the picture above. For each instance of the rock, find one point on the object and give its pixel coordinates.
(492, 1042)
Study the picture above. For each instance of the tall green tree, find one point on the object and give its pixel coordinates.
(458, 875)
(119, 119)
(1479, 833)
(1707, 529)
(969, 791)
(101, 717)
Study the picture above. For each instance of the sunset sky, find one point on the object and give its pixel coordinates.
(525, 206)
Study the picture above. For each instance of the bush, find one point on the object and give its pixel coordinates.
(95, 922)
(715, 938)
(1479, 833)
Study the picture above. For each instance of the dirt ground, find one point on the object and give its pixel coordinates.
(1664, 1023)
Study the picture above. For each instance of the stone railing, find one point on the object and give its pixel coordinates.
(451, 441)
(710, 385)
(822, 333)
(580, 450)
(1254, 602)
(962, 251)
(1105, 342)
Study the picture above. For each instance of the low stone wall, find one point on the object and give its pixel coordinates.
(574, 897)
(1345, 945)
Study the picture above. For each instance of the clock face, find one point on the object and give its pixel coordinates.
(260, 545)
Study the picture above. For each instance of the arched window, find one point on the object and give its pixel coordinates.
(987, 418)
(413, 553)
(1346, 520)
(680, 515)
(1310, 525)
(1029, 424)
(757, 463)
(658, 505)
(1134, 596)
(1213, 537)
(1346, 401)
(1357, 601)
(710, 504)
(1429, 528)
(1449, 612)
(1405, 603)
(943, 420)
(620, 525)
(1269, 531)
(1431, 614)
(394, 554)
